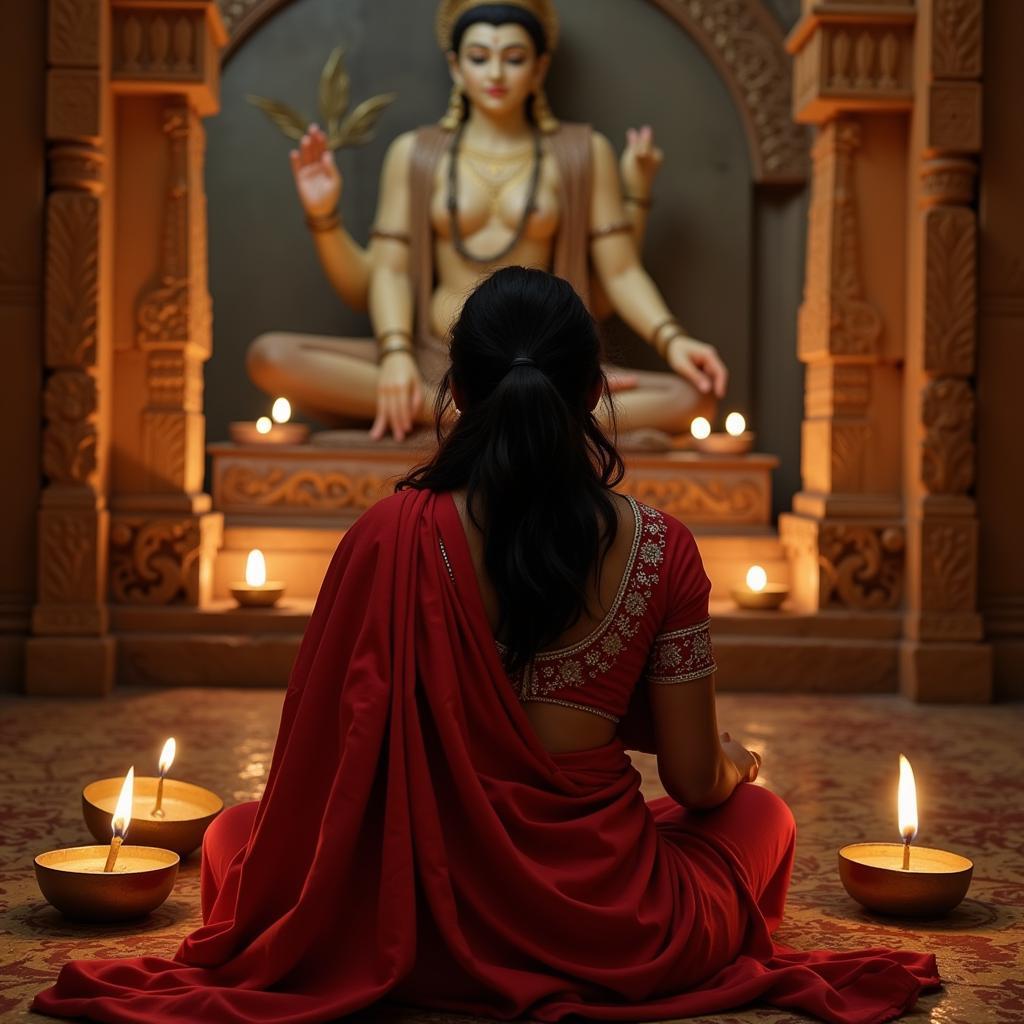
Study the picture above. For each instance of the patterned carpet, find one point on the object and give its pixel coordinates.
(834, 759)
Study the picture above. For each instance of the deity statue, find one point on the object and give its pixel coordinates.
(498, 181)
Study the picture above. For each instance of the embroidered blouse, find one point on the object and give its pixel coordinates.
(656, 631)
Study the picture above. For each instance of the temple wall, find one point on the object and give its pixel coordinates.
(22, 184)
(1000, 485)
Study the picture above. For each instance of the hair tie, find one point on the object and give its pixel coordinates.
(521, 361)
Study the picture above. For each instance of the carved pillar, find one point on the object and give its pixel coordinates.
(941, 658)
(165, 74)
(845, 537)
(70, 650)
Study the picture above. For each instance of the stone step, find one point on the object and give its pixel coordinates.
(298, 555)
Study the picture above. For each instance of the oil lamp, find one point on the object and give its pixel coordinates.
(257, 591)
(757, 594)
(897, 878)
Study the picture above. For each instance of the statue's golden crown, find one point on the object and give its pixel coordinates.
(451, 10)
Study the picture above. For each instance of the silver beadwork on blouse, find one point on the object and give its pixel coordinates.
(681, 655)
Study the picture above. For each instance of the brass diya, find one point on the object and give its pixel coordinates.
(73, 880)
(935, 882)
(245, 432)
(767, 598)
(724, 444)
(188, 811)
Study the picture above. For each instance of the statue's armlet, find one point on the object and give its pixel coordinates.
(390, 236)
(611, 244)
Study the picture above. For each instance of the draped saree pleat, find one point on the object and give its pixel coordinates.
(415, 841)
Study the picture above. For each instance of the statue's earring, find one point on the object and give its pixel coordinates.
(453, 115)
(542, 116)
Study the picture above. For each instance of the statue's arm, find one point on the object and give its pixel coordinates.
(614, 256)
(346, 265)
(632, 293)
(390, 281)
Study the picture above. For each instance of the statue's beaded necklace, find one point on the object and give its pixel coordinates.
(453, 201)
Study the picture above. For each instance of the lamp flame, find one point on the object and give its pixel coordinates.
(123, 811)
(263, 425)
(735, 424)
(907, 801)
(700, 428)
(255, 569)
(282, 410)
(757, 578)
(167, 757)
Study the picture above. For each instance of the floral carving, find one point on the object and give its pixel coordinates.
(696, 499)
(69, 442)
(72, 279)
(67, 556)
(956, 39)
(950, 290)
(947, 454)
(74, 32)
(861, 566)
(245, 487)
(155, 561)
(949, 560)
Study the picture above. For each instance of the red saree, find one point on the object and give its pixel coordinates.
(416, 842)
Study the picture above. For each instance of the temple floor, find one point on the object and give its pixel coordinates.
(834, 759)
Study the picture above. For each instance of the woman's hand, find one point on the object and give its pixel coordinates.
(699, 363)
(748, 762)
(399, 396)
(317, 178)
(640, 162)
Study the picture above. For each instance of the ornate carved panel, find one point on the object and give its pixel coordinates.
(954, 117)
(949, 560)
(861, 566)
(74, 108)
(164, 43)
(74, 36)
(70, 403)
(72, 278)
(956, 38)
(950, 290)
(947, 453)
(835, 317)
(159, 561)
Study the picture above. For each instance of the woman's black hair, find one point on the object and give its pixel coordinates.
(500, 14)
(535, 463)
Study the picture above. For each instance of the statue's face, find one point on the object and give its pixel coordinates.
(497, 67)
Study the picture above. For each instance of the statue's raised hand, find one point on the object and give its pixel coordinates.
(317, 178)
(640, 162)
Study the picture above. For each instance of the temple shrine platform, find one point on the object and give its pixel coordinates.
(295, 502)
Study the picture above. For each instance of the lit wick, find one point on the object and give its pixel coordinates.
(166, 760)
(122, 816)
(906, 800)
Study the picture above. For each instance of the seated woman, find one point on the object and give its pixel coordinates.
(451, 818)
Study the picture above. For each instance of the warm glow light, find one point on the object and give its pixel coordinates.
(123, 811)
(167, 756)
(907, 801)
(735, 424)
(263, 425)
(255, 569)
(282, 411)
(757, 578)
(700, 428)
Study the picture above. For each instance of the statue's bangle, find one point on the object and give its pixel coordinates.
(323, 222)
(640, 201)
(662, 347)
(390, 350)
(391, 236)
(394, 332)
(669, 321)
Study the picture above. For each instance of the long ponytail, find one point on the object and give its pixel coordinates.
(536, 465)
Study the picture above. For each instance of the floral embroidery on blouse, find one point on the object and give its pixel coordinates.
(682, 655)
(594, 655)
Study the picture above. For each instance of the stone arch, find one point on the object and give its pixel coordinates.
(740, 37)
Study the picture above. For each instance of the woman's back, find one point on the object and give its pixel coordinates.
(645, 618)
